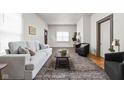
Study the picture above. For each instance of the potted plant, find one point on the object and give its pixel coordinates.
(63, 52)
(74, 37)
(111, 49)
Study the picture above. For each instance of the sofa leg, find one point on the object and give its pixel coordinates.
(82, 55)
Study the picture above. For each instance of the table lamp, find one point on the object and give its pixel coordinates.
(116, 42)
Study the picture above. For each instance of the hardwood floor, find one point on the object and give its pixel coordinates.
(98, 60)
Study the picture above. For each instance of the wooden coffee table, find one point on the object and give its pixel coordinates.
(62, 60)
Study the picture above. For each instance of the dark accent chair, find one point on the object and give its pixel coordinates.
(82, 50)
(114, 65)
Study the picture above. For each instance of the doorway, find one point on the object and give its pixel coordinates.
(45, 36)
(104, 35)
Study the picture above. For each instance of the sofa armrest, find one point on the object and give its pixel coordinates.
(77, 45)
(24, 58)
(45, 46)
(122, 70)
(118, 56)
(7, 51)
(84, 43)
(15, 65)
(81, 49)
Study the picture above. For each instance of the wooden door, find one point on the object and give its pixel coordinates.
(105, 38)
(45, 36)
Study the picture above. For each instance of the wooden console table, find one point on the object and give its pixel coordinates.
(2, 66)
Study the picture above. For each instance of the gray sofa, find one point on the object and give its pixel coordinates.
(24, 66)
(114, 65)
(82, 49)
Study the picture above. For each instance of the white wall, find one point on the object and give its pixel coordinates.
(83, 26)
(87, 26)
(80, 28)
(10, 29)
(52, 35)
(31, 19)
(119, 28)
(94, 18)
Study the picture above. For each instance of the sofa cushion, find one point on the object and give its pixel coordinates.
(39, 58)
(29, 67)
(22, 50)
(48, 51)
(43, 46)
(31, 45)
(37, 44)
(83, 45)
(13, 46)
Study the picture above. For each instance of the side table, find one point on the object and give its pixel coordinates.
(2, 66)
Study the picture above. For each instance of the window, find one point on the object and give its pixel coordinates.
(10, 29)
(62, 36)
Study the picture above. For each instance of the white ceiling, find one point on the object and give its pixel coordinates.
(61, 18)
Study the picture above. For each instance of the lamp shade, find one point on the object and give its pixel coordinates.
(116, 42)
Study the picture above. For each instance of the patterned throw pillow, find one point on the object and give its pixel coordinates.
(32, 53)
(22, 50)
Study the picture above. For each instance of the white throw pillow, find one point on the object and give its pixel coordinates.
(43, 46)
(13, 46)
(31, 45)
(37, 44)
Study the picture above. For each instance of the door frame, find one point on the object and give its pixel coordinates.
(98, 34)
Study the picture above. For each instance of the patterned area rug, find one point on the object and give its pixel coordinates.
(81, 68)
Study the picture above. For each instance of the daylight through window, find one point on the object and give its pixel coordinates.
(62, 36)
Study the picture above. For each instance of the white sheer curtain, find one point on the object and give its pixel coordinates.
(10, 29)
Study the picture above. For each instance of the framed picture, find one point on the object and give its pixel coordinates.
(32, 30)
